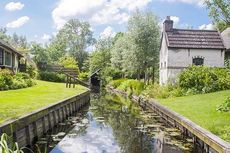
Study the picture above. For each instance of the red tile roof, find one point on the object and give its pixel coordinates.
(194, 39)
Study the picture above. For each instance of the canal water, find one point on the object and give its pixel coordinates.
(114, 124)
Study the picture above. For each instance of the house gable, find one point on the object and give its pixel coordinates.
(188, 47)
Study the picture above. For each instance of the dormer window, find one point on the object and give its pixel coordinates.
(199, 61)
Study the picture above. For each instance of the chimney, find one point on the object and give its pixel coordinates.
(168, 24)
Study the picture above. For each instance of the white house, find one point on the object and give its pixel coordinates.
(9, 57)
(183, 47)
(226, 39)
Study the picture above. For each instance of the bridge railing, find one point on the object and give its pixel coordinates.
(73, 80)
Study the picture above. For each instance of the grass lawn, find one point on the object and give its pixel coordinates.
(201, 109)
(14, 103)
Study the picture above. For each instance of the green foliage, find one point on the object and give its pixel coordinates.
(129, 85)
(73, 38)
(225, 107)
(117, 83)
(51, 76)
(157, 91)
(83, 76)
(6, 148)
(201, 79)
(162, 92)
(219, 11)
(40, 53)
(31, 71)
(69, 62)
(9, 81)
(136, 51)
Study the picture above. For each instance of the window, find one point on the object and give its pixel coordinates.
(8, 59)
(198, 61)
(1, 56)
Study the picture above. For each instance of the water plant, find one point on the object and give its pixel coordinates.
(7, 145)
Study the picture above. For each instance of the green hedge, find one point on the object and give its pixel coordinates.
(202, 79)
(10, 81)
(51, 76)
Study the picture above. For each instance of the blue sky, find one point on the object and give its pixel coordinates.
(40, 19)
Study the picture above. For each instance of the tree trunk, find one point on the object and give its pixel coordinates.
(153, 77)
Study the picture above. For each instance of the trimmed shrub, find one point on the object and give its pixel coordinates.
(51, 76)
(9, 81)
(202, 79)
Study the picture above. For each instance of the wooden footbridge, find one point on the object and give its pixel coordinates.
(93, 82)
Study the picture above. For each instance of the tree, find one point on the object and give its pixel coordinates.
(219, 11)
(76, 36)
(123, 57)
(144, 31)
(19, 42)
(56, 49)
(69, 62)
(40, 53)
(4, 36)
(100, 58)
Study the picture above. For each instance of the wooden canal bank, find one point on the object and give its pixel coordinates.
(26, 129)
(209, 142)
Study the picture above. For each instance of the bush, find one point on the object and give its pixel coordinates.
(51, 76)
(225, 107)
(31, 71)
(83, 76)
(201, 79)
(116, 83)
(132, 86)
(10, 81)
(6, 79)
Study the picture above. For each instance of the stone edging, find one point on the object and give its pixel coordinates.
(209, 141)
(29, 127)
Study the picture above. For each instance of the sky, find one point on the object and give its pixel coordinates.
(38, 20)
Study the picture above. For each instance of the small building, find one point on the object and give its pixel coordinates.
(9, 57)
(226, 39)
(95, 81)
(181, 48)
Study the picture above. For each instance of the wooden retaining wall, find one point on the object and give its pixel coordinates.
(209, 142)
(30, 127)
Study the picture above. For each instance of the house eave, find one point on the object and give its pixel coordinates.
(8, 47)
(170, 47)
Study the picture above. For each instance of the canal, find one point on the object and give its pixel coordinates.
(114, 124)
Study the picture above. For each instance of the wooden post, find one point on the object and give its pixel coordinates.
(74, 81)
(70, 82)
(67, 79)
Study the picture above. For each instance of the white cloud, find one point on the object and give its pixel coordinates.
(108, 32)
(96, 11)
(13, 6)
(175, 19)
(18, 23)
(207, 27)
(196, 2)
(46, 37)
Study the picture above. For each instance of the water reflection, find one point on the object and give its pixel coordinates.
(114, 124)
